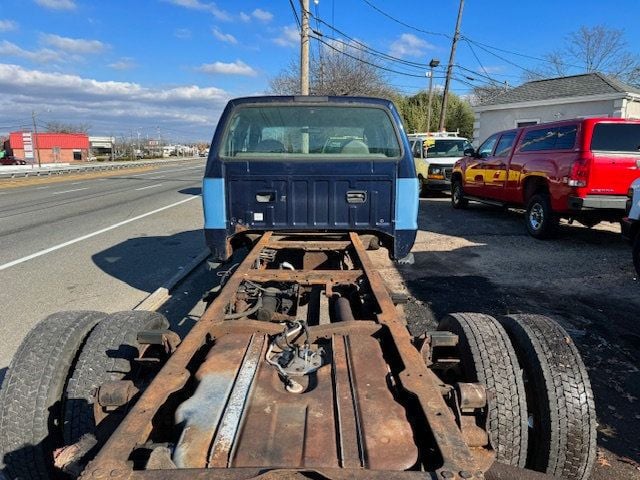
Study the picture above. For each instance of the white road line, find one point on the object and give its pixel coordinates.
(92, 234)
(69, 191)
(42, 188)
(149, 186)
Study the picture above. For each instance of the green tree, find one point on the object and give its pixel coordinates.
(414, 111)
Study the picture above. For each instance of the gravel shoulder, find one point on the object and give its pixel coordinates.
(482, 260)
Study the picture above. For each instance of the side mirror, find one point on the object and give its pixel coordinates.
(469, 152)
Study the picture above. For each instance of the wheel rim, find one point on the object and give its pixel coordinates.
(457, 194)
(536, 216)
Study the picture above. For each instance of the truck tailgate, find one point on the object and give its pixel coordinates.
(319, 195)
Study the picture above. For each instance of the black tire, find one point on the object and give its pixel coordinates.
(457, 195)
(562, 440)
(423, 187)
(31, 396)
(106, 356)
(636, 253)
(488, 357)
(541, 221)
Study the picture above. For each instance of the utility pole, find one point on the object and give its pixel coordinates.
(304, 49)
(34, 140)
(445, 95)
(432, 64)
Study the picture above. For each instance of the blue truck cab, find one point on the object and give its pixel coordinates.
(308, 164)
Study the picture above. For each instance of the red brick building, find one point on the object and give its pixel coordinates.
(52, 147)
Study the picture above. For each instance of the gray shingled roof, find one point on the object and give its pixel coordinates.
(573, 86)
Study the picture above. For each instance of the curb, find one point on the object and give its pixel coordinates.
(158, 297)
(88, 168)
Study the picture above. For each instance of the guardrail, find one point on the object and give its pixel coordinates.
(88, 168)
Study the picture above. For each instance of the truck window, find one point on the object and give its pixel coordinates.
(553, 138)
(487, 147)
(447, 148)
(505, 144)
(310, 132)
(616, 137)
(416, 147)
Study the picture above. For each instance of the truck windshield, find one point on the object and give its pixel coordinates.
(448, 148)
(616, 137)
(310, 132)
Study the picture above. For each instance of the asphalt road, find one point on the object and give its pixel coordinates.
(93, 244)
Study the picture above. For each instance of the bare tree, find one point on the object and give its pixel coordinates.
(335, 70)
(61, 127)
(592, 49)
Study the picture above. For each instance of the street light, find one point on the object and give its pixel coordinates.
(432, 64)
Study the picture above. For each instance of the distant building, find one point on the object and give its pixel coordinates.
(51, 147)
(101, 147)
(548, 100)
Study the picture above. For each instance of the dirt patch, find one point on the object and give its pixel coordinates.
(481, 260)
(26, 181)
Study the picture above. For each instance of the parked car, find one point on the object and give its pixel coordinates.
(631, 223)
(577, 169)
(434, 155)
(11, 160)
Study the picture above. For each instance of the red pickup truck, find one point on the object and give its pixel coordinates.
(577, 169)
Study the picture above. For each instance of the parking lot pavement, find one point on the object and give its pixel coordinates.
(482, 260)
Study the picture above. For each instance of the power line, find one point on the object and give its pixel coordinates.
(364, 61)
(478, 59)
(519, 54)
(376, 52)
(295, 14)
(403, 23)
(490, 79)
(504, 59)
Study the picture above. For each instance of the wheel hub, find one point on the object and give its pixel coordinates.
(536, 216)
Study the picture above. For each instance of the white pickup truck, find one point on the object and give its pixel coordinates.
(434, 155)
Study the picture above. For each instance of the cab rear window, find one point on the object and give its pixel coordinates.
(616, 137)
(310, 132)
(550, 138)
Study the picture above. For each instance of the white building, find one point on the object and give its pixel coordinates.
(577, 96)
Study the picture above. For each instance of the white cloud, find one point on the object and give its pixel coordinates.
(224, 37)
(408, 45)
(8, 25)
(262, 15)
(57, 4)
(43, 55)
(182, 33)
(73, 45)
(244, 17)
(203, 6)
(110, 107)
(289, 37)
(492, 69)
(125, 63)
(235, 68)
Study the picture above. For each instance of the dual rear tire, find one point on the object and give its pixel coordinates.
(541, 413)
(45, 400)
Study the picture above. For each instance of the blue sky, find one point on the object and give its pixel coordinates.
(169, 66)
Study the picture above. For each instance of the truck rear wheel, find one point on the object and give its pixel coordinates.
(457, 195)
(562, 416)
(31, 397)
(540, 219)
(107, 356)
(487, 356)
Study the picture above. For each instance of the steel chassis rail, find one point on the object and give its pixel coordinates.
(458, 460)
